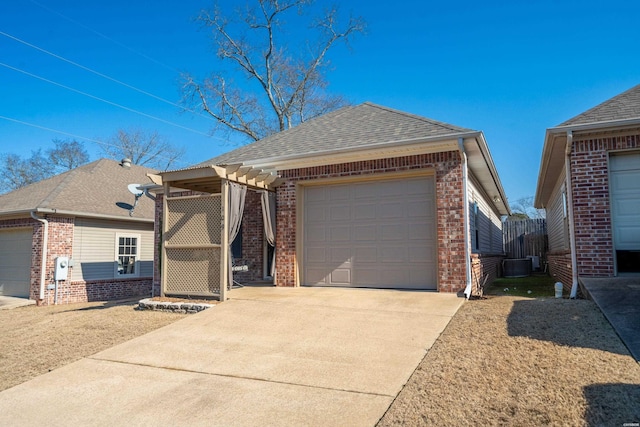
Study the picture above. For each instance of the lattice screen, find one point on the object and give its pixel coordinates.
(194, 220)
(196, 223)
(193, 271)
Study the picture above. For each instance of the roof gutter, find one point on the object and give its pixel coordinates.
(572, 234)
(465, 196)
(43, 261)
(88, 215)
(595, 125)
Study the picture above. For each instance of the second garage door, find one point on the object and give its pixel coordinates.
(379, 234)
(625, 210)
(15, 262)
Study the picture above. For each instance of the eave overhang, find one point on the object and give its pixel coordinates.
(553, 152)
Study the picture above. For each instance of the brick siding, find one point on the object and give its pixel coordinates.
(592, 213)
(560, 268)
(449, 205)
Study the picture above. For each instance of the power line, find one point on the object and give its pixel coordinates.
(101, 99)
(96, 141)
(61, 58)
(105, 36)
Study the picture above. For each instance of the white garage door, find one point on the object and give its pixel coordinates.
(624, 173)
(15, 262)
(371, 234)
(625, 200)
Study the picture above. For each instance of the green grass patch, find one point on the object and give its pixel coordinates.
(534, 286)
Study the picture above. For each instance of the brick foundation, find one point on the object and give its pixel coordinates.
(99, 290)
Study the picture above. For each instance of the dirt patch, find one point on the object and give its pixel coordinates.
(35, 340)
(508, 360)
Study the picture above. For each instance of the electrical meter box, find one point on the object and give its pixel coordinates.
(62, 268)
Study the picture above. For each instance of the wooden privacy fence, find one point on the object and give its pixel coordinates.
(525, 237)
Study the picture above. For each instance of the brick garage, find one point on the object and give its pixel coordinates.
(597, 139)
(367, 144)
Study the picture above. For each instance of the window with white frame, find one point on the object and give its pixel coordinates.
(127, 250)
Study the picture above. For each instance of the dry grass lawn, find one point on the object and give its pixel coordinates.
(512, 360)
(35, 340)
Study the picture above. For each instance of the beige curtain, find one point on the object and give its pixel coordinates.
(236, 194)
(269, 220)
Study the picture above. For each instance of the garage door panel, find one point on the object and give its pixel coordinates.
(364, 211)
(317, 215)
(317, 254)
(392, 210)
(363, 233)
(341, 255)
(628, 237)
(378, 234)
(340, 213)
(315, 194)
(316, 233)
(15, 262)
(339, 192)
(390, 233)
(340, 234)
(341, 276)
(625, 200)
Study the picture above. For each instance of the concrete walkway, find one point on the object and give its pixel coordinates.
(7, 303)
(268, 357)
(619, 300)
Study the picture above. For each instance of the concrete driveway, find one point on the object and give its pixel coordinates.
(269, 356)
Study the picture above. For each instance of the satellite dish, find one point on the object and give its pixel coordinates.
(133, 189)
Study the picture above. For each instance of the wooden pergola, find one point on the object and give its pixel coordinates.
(195, 255)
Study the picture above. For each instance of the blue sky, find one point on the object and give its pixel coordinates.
(508, 68)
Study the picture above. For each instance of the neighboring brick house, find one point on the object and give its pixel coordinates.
(589, 185)
(368, 196)
(85, 213)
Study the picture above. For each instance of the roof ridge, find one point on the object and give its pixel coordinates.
(46, 201)
(418, 117)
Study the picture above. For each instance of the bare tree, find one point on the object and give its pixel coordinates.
(523, 209)
(67, 155)
(291, 87)
(143, 148)
(16, 172)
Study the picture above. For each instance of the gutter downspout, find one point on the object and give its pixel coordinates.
(465, 190)
(572, 234)
(43, 262)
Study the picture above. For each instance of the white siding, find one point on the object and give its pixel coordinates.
(485, 223)
(94, 247)
(557, 224)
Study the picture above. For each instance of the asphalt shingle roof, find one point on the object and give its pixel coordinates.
(346, 128)
(95, 189)
(620, 107)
